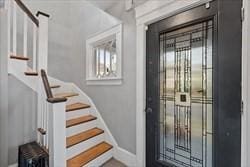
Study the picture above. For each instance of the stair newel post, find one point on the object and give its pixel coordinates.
(43, 32)
(56, 125)
(57, 134)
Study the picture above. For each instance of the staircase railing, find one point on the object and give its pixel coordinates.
(32, 33)
(19, 19)
(54, 121)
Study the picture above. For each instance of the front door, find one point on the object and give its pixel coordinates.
(193, 112)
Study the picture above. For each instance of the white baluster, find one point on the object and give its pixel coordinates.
(14, 42)
(39, 109)
(42, 114)
(47, 125)
(45, 122)
(34, 46)
(8, 6)
(25, 34)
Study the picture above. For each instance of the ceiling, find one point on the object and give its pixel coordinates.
(106, 4)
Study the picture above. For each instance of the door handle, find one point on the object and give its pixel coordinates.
(148, 110)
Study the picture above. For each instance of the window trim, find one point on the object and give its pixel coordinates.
(114, 32)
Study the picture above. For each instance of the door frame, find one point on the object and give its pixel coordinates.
(151, 12)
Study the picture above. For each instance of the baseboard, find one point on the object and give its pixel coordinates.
(126, 157)
(14, 165)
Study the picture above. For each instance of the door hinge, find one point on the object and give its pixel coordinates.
(242, 14)
(242, 107)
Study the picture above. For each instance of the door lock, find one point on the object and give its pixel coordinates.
(149, 110)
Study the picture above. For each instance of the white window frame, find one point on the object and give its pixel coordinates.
(114, 32)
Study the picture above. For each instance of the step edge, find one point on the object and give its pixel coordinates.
(19, 57)
(81, 122)
(97, 134)
(77, 108)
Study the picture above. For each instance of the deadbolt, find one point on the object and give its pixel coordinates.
(149, 110)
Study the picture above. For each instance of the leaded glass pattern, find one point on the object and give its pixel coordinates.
(105, 59)
(186, 96)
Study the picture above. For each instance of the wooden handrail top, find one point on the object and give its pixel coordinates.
(48, 91)
(46, 84)
(28, 12)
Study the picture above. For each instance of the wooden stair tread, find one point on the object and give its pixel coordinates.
(80, 137)
(89, 155)
(18, 57)
(76, 106)
(31, 73)
(65, 95)
(55, 86)
(80, 120)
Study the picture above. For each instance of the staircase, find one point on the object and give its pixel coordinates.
(87, 142)
(70, 128)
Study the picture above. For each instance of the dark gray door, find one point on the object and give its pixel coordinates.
(194, 88)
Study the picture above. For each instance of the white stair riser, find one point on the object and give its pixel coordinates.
(56, 90)
(20, 65)
(83, 146)
(61, 89)
(101, 159)
(74, 99)
(80, 128)
(77, 113)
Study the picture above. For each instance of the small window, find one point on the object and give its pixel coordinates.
(104, 54)
(105, 59)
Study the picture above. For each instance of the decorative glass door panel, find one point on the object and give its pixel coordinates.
(186, 96)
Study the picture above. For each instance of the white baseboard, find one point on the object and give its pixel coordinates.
(126, 157)
(14, 165)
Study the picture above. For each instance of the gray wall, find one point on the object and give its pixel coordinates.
(22, 116)
(116, 104)
(3, 92)
(1, 3)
